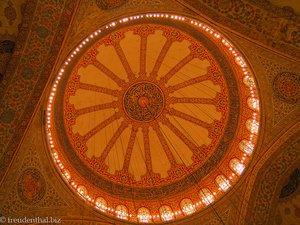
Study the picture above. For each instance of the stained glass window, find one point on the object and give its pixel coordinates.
(252, 126)
(82, 190)
(237, 166)
(240, 61)
(101, 203)
(144, 215)
(253, 103)
(206, 196)
(222, 182)
(166, 213)
(187, 206)
(122, 212)
(246, 146)
(66, 174)
(248, 81)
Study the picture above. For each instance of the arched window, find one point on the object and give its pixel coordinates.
(187, 206)
(249, 81)
(101, 204)
(236, 166)
(122, 212)
(82, 190)
(240, 61)
(166, 213)
(246, 146)
(66, 174)
(144, 215)
(222, 182)
(253, 103)
(206, 196)
(252, 126)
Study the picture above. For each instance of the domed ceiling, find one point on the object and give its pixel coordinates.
(153, 117)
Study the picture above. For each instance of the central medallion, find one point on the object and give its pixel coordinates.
(143, 101)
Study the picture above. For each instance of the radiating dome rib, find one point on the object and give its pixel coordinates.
(146, 115)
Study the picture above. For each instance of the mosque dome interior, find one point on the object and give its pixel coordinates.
(137, 112)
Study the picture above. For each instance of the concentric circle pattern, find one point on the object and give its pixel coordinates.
(143, 101)
(153, 117)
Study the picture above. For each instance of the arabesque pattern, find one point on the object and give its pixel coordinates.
(149, 96)
(144, 114)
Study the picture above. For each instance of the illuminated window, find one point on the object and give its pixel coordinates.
(246, 146)
(249, 81)
(144, 215)
(252, 126)
(82, 190)
(166, 213)
(253, 103)
(206, 196)
(237, 166)
(240, 61)
(223, 183)
(122, 212)
(187, 206)
(66, 174)
(101, 204)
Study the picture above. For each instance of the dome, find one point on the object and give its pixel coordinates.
(153, 117)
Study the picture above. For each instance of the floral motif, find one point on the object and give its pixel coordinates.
(31, 186)
(286, 87)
